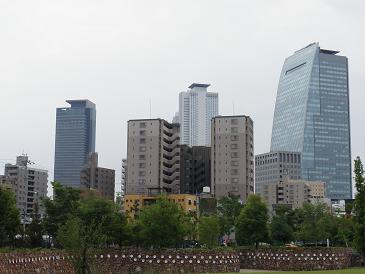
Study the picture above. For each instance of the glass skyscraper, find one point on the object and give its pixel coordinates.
(312, 117)
(75, 139)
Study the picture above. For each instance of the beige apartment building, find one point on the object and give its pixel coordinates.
(292, 193)
(98, 178)
(29, 184)
(232, 155)
(153, 157)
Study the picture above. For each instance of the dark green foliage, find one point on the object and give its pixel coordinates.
(207, 206)
(65, 202)
(162, 224)
(252, 223)
(192, 225)
(35, 228)
(209, 231)
(79, 239)
(9, 217)
(281, 231)
(228, 210)
(359, 207)
(309, 230)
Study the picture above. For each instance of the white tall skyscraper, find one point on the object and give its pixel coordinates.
(196, 109)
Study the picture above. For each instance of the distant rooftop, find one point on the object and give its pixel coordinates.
(196, 85)
(81, 103)
(328, 51)
(324, 51)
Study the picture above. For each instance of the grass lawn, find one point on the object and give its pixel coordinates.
(343, 271)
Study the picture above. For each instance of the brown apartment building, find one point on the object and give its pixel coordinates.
(232, 156)
(153, 157)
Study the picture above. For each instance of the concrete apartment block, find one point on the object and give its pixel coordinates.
(29, 185)
(232, 156)
(153, 157)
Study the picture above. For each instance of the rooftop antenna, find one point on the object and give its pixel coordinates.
(150, 109)
(233, 107)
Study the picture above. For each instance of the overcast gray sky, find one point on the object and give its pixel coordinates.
(121, 54)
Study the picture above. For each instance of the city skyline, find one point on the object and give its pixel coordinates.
(101, 66)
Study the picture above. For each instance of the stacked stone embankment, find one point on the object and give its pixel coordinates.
(287, 259)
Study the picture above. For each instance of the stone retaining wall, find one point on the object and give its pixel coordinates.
(124, 261)
(287, 259)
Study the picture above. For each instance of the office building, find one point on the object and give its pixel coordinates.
(134, 203)
(232, 156)
(195, 167)
(196, 109)
(29, 185)
(75, 140)
(98, 178)
(271, 167)
(312, 117)
(153, 157)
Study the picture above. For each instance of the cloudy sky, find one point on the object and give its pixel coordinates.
(122, 54)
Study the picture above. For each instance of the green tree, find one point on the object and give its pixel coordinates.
(113, 224)
(192, 225)
(209, 231)
(79, 240)
(359, 207)
(65, 202)
(118, 201)
(252, 223)
(35, 228)
(162, 224)
(9, 217)
(228, 210)
(345, 232)
(313, 227)
(281, 231)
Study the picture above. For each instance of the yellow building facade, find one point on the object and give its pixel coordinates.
(133, 202)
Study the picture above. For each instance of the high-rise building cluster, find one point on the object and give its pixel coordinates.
(201, 151)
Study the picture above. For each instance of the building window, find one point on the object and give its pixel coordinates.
(234, 171)
(234, 122)
(142, 173)
(142, 125)
(234, 163)
(234, 137)
(142, 141)
(142, 149)
(234, 130)
(142, 133)
(234, 146)
(142, 157)
(235, 180)
(142, 165)
(234, 154)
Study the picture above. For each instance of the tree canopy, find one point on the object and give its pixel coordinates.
(162, 224)
(9, 217)
(209, 231)
(359, 206)
(252, 223)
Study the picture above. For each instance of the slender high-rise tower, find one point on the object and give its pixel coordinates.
(312, 117)
(75, 140)
(197, 107)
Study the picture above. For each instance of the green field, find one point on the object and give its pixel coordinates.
(343, 271)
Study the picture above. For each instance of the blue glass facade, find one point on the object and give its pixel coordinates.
(75, 139)
(312, 117)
